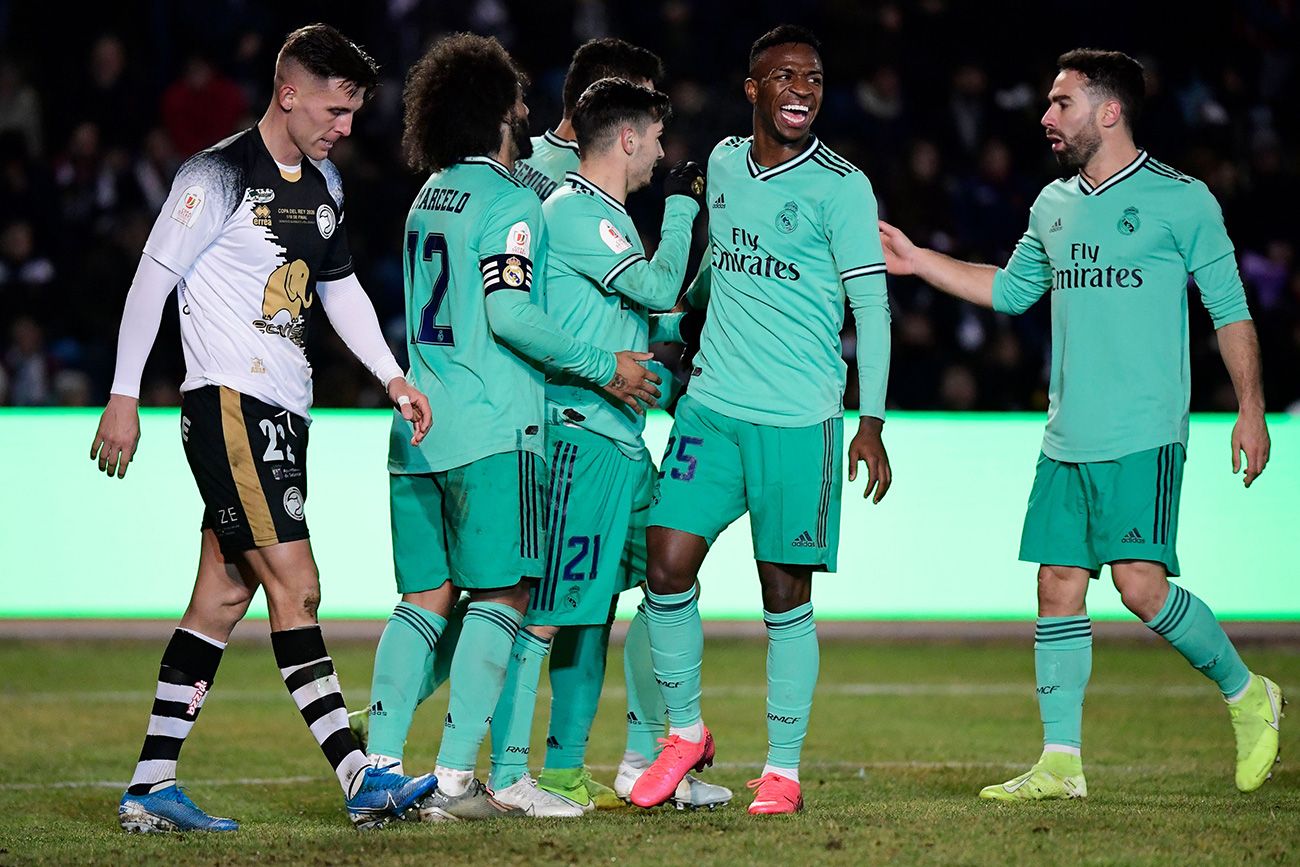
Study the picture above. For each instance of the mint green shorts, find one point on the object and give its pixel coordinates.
(597, 507)
(1095, 513)
(789, 479)
(478, 526)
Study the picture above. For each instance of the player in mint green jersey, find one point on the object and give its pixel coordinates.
(601, 287)
(467, 502)
(791, 231)
(555, 152)
(1115, 244)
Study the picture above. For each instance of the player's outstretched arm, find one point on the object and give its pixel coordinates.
(353, 317)
(965, 280)
(118, 433)
(527, 328)
(1239, 346)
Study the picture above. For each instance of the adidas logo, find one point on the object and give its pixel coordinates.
(631, 717)
(804, 541)
(447, 723)
(1133, 536)
(719, 202)
(1056, 227)
(377, 709)
(552, 742)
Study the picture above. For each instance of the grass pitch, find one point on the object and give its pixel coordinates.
(902, 738)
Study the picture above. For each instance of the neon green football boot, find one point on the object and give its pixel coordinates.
(1056, 776)
(577, 785)
(1256, 719)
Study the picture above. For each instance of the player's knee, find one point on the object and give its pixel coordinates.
(311, 603)
(1142, 596)
(1061, 592)
(664, 577)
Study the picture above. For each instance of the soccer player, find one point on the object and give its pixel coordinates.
(467, 502)
(790, 231)
(1115, 244)
(577, 659)
(555, 152)
(602, 288)
(254, 234)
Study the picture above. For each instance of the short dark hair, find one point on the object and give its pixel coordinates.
(608, 58)
(327, 53)
(610, 103)
(455, 98)
(1112, 74)
(783, 34)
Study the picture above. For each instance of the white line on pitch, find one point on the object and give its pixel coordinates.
(741, 691)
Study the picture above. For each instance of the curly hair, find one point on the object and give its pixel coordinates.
(456, 96)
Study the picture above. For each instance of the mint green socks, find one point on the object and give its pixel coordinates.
(1062, 666)
(512, 721)
(478, 673)
(677, 649)
(577, 677)
(645, 703)
(1188, 624)
(792, 663)
(403, 661)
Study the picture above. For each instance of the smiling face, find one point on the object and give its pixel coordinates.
(1071, 120)
(785, 87)
(320, 112)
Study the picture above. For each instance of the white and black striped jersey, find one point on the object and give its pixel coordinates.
(250, 241)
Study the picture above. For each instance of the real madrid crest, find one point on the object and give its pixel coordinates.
(513, 273)
(787, 219)
(1129, 223)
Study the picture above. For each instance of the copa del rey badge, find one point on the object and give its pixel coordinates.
(519, 240)
(613, 238)
(189, 207)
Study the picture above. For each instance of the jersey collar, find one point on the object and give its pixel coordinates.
(1128, 171)
(551, 138)
(577, 181)
(490, 163)
(766, 174)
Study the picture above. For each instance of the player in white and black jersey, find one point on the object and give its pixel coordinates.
(253, 236)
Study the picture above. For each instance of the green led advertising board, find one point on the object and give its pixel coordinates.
(941, 546)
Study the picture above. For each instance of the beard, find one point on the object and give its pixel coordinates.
(1079, 150)
(520, 142)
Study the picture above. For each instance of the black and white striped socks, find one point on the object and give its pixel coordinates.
(308, 673)
(188, 667)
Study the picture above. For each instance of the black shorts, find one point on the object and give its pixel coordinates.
(249, 460)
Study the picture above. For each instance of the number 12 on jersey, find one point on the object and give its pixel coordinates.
(435, 274)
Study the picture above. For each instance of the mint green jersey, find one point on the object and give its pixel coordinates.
(601, 288)
(1117, 259)
(788, 244)
(472, 230)
(552, 159)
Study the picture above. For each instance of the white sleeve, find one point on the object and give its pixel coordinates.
(140, 317)
(204, 193)
(353, 317)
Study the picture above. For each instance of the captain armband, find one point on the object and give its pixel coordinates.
(506, 271)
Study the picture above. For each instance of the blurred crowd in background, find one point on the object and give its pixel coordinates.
(937, 101)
